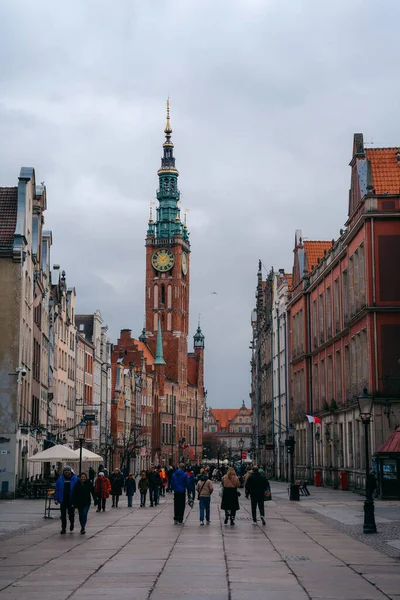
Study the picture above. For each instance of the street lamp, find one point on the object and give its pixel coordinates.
(365, 404)
(290, 443)
(241, 446)
(81, 427)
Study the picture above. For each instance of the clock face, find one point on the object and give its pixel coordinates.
(163, 259)
(185, 263)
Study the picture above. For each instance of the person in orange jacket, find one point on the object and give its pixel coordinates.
(164, 481)
(102, 487)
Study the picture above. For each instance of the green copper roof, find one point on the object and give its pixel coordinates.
(168, 222)
(159, 359)
(199, 338)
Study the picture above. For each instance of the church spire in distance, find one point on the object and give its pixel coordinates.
(168, 222)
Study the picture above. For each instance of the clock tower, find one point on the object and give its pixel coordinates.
(168, 269)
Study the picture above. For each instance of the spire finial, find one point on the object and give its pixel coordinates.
(168, 129)
(198, 322)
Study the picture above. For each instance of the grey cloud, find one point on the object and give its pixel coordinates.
(266, 96)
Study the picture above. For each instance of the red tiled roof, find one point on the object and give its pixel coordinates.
(8, 216)
(223, 416)
(392, 444)
(385, 169)
(146, 351)
(314, 250)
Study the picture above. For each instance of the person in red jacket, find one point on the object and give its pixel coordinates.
(102, 487)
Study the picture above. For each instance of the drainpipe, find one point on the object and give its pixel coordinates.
(310, 384)
(272, 393)
(286, 385)
(278, 323)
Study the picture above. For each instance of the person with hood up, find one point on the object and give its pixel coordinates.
(102, 487)
(204, 490)
(256, 486)
(63, 496)
(179, 484)
(82, 495)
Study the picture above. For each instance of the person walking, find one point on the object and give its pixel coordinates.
(204, 490)
(130, 488)
(230, 503)
(143, 486)
(102, 488)
(63, 496)
(191, 487)
(179, 484)
(256, 486)
(163, 484)
(117, 481)
(154, 486)
(82, 495)
(170, 472)
(92, 474)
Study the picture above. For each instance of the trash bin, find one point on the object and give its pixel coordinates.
(343, 480)
(318, 477)
(294, 492)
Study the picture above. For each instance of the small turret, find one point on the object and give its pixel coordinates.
(198, 338)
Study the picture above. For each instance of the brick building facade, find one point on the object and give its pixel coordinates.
(344, 319)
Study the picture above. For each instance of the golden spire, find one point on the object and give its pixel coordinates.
(151, 212)
(168, 129)
(185, 222)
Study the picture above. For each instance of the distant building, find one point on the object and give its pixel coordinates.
(231, 425)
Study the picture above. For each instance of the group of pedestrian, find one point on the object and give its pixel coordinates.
(72, 492)
(77, 493)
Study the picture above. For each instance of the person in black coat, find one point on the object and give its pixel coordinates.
(130, 488)
(82, 495)
(117, 481)
(256, 486)
(154, 485)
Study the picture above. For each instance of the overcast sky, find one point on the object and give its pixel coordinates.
(265, 98)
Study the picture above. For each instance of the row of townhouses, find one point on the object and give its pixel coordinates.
(54, 364)
(329, 333)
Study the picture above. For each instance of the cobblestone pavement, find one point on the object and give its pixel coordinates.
(344, 511)
(140, 554)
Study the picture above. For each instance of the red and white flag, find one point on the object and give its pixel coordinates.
(312, 419)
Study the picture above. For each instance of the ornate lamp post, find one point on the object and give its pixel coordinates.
(365, 404)
(290, 443)
(81, 427)
(241, 446)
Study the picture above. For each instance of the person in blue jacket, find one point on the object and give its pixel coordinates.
(63, 496)
(179, 484)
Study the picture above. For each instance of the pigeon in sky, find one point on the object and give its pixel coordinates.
(214, 293)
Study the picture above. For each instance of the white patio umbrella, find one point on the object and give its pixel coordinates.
(88, 455)
(56, 453)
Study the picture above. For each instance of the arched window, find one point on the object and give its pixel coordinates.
(170, 296)
(169, 321)
(156, 296)
(163, 294)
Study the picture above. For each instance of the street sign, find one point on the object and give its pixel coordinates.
(89, 417)
(244, 455)
(4, 451)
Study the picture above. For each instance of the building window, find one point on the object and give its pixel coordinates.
(315, 324)
(336, 305)
(328, 312)
(345, 297)
(338, 376)
(321, 319)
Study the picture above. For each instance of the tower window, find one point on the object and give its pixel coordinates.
(163, 294)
